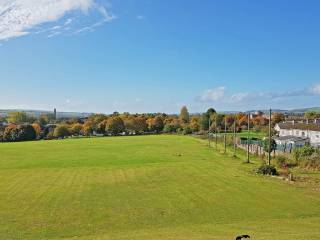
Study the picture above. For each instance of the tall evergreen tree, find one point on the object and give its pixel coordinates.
(184, 115)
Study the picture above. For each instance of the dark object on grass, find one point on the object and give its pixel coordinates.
(267, 170)
(242, 236)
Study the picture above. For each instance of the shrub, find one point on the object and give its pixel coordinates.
(302, 153)
(61, 131)
(169, 128)
(281, 161)
(267, 170)
(187, 130)
(266, 145)
(312, 161)
(13, 133)
(27, 133)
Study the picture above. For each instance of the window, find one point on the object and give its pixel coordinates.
(303, 133)
(297, 132)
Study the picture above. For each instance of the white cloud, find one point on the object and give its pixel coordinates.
(68, 21)
(213, 94)
(54, 34)
(140, 17)
(220, 95)
(55, 27)
(106, 18)
(239, 97)
(315, 89)
(19, 17)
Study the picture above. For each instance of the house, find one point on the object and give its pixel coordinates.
(298, 133)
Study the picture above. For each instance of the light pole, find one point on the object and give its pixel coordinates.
(225, 134)
(209, 131)
(216, 133)
(234, 137)
(269, 150)
(248, 140)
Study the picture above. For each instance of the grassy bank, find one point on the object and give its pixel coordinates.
(144, 187)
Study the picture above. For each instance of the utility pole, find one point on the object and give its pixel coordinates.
(225, 134)
(269, 150)
(209, 131)
(248, 140)
(234, 137)
(216, 133)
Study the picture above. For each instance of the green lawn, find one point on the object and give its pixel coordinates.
(253, 134)
(145, 187)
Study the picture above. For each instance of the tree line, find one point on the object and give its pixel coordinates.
(19, 126)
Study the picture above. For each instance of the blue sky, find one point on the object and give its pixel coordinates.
(157, 55)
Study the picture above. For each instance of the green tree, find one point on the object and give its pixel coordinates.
(312, 114)
(204, 121)
(115, 125)
(27, 132)
(266, 145)
(211, 111)
(45, 119)
(169, 128)
(17, 117)
(184, 115)
(61, 131)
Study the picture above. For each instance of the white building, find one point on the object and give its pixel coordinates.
(301, 132)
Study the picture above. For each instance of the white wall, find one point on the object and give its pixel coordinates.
(314, 136)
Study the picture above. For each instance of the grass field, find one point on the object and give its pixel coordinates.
(253, 134)
(145, 187)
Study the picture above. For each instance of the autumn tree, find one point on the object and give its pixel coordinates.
(278, 117)
(37, 128)
(195, 123)
(16, 133)
(156, 124)
(139, 125)
(243, 120)
(76, 129)
(184, 115)
(87, 128)
(115, 125)
(61, 131)
(101, 127)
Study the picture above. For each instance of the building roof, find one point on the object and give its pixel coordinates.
(292, 138)
(300, 126)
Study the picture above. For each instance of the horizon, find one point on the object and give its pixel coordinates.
(293, 110)
(105, 56)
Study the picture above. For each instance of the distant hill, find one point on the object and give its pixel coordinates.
(287, 111)
(37, 113)
(292, 111)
